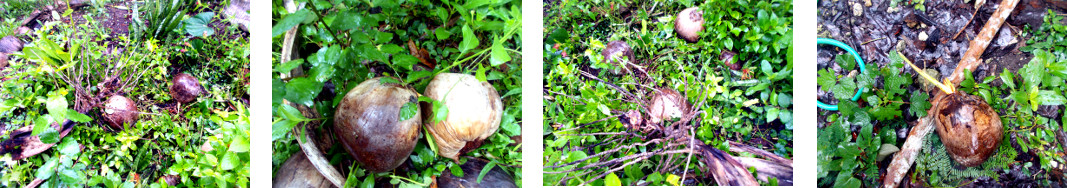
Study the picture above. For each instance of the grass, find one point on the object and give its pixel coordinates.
(751, 104)
(166, 142)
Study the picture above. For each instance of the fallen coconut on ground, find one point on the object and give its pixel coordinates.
(667, 104)
(969, 128)
(369, 124)
(474, 112)
(185, 88)
(689, 23)
(10, 44)
(120, 112)
(620, 54)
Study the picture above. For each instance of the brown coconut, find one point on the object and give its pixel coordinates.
(185, 88)
(618, 53)
(10, 44)
(689, 23)
(474, 112)
(120, 112)
(667, 104)
(367, 121)
(969, 128)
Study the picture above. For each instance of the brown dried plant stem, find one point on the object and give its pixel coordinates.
(902, 160)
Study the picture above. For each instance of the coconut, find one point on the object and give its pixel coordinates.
(969, 128)
(10, 44)
(185, 88)
(120, 112)
(688, 23)
(368, 123)
(474, 112)
(618, 53)
(667, 104)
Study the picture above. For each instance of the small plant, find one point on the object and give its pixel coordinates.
(157, 19)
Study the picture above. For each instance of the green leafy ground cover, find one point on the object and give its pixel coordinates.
(1029, 102)
(752, 105)
(342, 43)
(36, 90)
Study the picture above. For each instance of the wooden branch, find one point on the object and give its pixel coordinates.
(739, 147)
(973, 56)
(24, 144)
(766, 169)
(307, 144)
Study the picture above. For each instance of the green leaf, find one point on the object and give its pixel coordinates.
(442, 33)
(456, 170)
(499, 54)
(230, 161)
(409, 110)
(469, 40)
(302, 90)
(57, 106)
(1046, 97)
(485, 170)
(404, 61)
(291, 20)
(45, 171)
(1034, 72)
(239, 143)
(673, 180)
(1006, 77)
(612, 180)
(78, 117)
(368, 182)
(49, 135)
(919, 104)
(71, 176)
(197, 25)
(69, 147)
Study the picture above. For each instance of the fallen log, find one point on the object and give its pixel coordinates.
(24, 144)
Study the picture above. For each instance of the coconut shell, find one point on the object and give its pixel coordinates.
(474, 112)
(689, 23)
(969, 128)
(616, 52)
(298, 171)
(495, 178)
(120, 112)
(367, 121)
(10, 44)
(185, 88)
(3, 60)
(667, 104)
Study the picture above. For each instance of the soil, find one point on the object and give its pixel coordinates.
(876, 29)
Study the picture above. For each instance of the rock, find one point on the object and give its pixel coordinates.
(237, 13)
(867, 3)
(923, 36)
(857, 9)
(10, 44)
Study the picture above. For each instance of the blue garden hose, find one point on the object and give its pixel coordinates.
(859, 61)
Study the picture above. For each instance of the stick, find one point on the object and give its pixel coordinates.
(307, 144)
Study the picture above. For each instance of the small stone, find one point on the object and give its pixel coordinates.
(923, 36)
(857, 9)
(867, 3)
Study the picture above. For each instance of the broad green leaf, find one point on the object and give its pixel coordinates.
(1046, 97)
(230, 161)
(45, 171)
(69, 147)
(279, 129)
(612, 180)
(197, 25)
(239, 143)
(442, 33)
(73, 115)
(291, 20)
(499, 55)
(469, 40)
